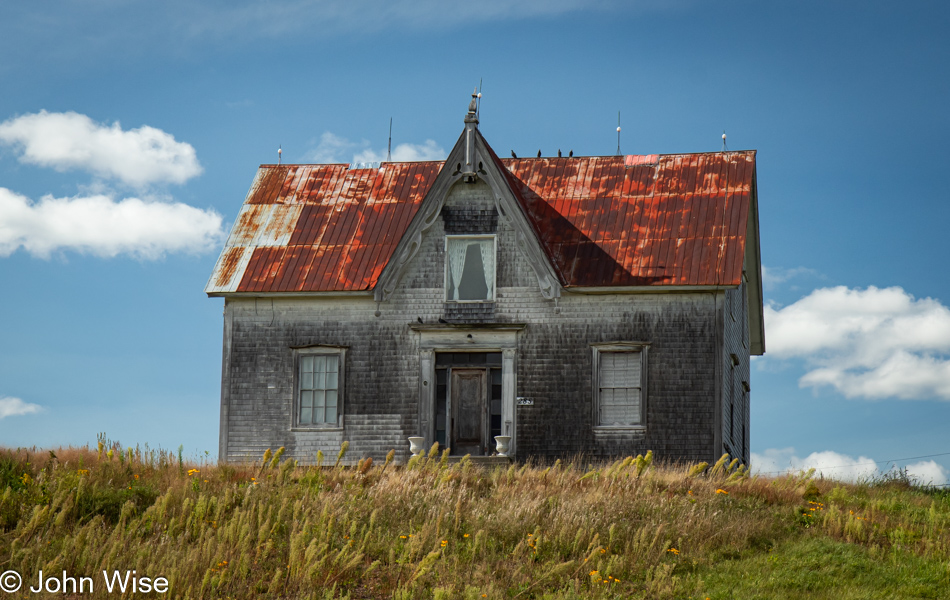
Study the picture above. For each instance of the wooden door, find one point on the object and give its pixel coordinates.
(469, 411)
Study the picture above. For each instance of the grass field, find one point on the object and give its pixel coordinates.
(433, 529)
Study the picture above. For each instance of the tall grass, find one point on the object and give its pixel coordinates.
(434, 528)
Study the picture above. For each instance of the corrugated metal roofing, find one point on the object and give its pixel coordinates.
(603, 221)
(677, 219)
(307, 228)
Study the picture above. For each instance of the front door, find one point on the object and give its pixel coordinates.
(469, 411)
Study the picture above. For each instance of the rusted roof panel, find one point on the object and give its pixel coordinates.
(634, 220)
(306, 228)
(604, 221)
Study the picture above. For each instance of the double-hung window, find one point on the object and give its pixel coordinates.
(469, 268)
(619, 383)
(319, 387)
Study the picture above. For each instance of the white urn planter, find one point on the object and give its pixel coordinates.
(415, 445)
(501, 444)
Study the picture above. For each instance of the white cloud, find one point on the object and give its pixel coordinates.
(336, 149)
(827, 463)
(427, 150)
(874, 343)
(333, 149)
(928, 472)
(101, 226)
(70, 140)
(14, 407)
(833, 465)
(772, 277)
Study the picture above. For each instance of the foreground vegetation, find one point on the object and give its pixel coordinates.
(454, 530)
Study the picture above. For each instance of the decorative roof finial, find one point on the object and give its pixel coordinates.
(472, 116)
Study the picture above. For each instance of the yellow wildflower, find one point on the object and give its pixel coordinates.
(673, 550)
(721, 491)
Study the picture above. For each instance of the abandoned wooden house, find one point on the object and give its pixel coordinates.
(603, 305)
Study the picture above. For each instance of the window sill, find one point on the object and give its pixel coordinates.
(317, 428)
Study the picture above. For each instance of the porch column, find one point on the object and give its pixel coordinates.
(426, 387)
(509, 425)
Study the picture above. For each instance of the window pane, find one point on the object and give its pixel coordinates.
(620, 369)
(306, 416)
(332, 377)
(306, 399)
(331, 414)
(619, 388)
(320, 380)
(319, 399)
(331, 398)
(470, 268)
(306, 364)
(620, 407)
(306, 380)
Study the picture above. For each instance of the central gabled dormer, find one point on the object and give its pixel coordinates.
(473, 201)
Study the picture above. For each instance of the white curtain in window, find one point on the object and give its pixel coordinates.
(487, 248)
(457, 250)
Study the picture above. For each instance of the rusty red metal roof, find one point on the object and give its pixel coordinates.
(316, 228)
(604, 221)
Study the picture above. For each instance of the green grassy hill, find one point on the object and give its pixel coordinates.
(437, 529)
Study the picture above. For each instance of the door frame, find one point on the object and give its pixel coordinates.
(448, 338)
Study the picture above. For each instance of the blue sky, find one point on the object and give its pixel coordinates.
(130, 132)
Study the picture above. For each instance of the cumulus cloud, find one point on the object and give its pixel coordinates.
(829, 464)
(66, 141)
(427, 150)
(336, 149)
(928, 472)
(873, 343)
(14, 407)
(102, 226)
(833, 465)
(773, 277)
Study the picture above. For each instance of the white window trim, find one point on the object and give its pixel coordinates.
(445, 276)
(597, 349)
(340, 403)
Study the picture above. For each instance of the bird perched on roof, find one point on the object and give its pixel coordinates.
(559, 153)
(539, 154)
(570, 154)
(513, 155)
